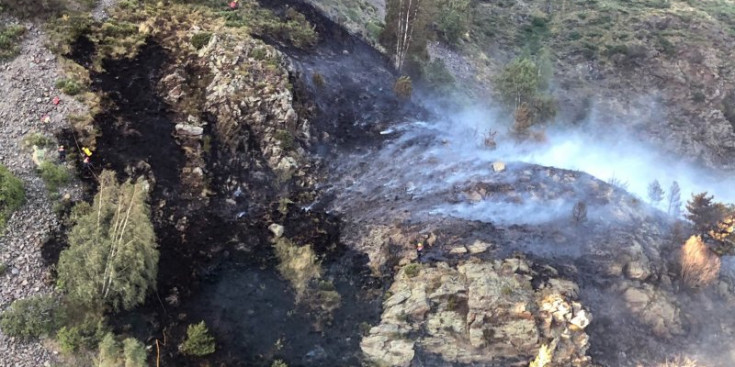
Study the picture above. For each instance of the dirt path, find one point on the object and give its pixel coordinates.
(26, 91)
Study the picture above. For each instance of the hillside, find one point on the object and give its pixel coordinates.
(664, 68)
(264, 183)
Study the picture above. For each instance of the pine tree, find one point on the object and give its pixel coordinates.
(198, 341)
(704, 212)
(655, 192)
(112, 257)
(674, 200)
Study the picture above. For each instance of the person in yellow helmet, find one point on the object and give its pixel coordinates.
(419, 249)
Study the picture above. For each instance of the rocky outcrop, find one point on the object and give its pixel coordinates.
(478, 312)
(234, 91)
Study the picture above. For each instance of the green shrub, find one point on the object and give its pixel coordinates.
(412, 270)
(37, 139)
(134, 351)
(3, 268)
(109, 351)
(32, 317)
(286, 139)
(698, 96)
(12, 195)
(64, 31)
(54, 175)
(10, 37)
(666, 46)
(201, 39)
(83, 336)
(453, 20)
(68, 86)
(130, 354)
(298, 30)
(374, 29)
(279, 363)
(259, 53)
(198, 341)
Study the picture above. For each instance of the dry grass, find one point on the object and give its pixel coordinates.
(699, 266)
(523, 120)
(298, 264)
(543, 358)
(403, 88)
(679, 361)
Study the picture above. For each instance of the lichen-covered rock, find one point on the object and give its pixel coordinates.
(477, 312)
(654, 307)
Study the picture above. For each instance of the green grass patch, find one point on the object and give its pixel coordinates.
(54, 175)
(286, 139)
(38, 140)
(201, 39)
(10, 38)
(412, 270)
(69, 87)
(12, 195)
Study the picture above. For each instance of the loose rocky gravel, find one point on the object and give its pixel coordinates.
(26, 93)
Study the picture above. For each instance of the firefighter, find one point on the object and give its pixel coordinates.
(62, 154)
(87, 163)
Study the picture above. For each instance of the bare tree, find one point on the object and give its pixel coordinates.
(674, 200)
(408, 12)
(579, 212)
(655, 192)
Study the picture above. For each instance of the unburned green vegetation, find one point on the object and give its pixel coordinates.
(69, 86)
(110, 265)
(12, 195)
(198, 342)
(112, 258)
(32, 317)
(129, 353)
(10, 39)
(54, 175)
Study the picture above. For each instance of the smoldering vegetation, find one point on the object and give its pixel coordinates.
(441, 165)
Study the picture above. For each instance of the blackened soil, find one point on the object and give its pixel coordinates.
(355, 101)
(136, 125)
(218, 267)
(257, 320)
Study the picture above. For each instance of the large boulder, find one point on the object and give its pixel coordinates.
(477, 312)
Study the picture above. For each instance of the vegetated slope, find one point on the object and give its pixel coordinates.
(662, 67)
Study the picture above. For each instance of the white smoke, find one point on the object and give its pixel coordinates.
(435, 165)
(602, 151)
